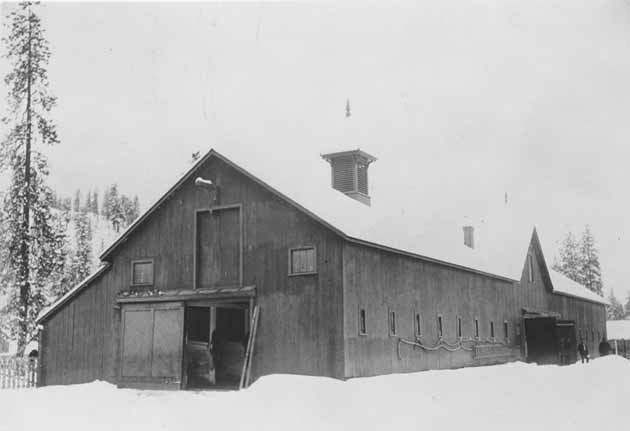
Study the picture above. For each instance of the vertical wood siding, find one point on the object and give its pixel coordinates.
(300, 329)
(379, 282)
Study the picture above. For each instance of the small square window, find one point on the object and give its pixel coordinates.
(491, 329)
(392, 322)
(440, 327)
(142, 272)
(302, 261)
(417, 323)
(362, 322)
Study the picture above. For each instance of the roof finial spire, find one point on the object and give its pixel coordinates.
(347, 108)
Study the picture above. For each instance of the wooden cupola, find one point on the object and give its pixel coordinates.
(350, 173)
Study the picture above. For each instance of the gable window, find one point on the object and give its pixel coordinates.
(530, 268)
(459, 327)
(506, 330)
(440, 327)
(417, 325)
(302, 261)
(476, 328)
(392, 322)
(362, 322)
(142, 272)
(491, 329)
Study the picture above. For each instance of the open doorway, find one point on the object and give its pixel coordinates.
(215, 339)
(542, 346)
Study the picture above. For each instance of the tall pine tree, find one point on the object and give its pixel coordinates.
(31, 236)
(590, 270)
(81, 265)
(569, 262)
(615, 309)
(579, 261)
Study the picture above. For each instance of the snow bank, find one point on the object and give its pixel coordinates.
(514, 396)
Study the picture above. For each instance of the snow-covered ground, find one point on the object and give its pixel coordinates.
(514, 396)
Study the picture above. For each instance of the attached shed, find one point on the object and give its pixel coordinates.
(347, 283)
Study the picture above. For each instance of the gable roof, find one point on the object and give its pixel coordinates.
(370, 225)
(47, 312)
(398, 222)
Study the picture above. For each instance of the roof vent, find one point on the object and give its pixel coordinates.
(469, 236)
(350, 173)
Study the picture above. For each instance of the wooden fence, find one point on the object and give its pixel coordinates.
(18, 373)
(622, 346)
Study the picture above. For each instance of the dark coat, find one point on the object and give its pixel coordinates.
(604, 348)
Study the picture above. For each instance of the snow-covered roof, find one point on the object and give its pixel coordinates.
(566, 286)
(397, 221)
(398, 217)
(72, 292)
(618, 329)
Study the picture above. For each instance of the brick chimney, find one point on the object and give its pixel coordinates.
(350, 173)
(469, 236)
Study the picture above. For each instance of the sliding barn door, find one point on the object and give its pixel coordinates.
(218, 252)
(151, 345)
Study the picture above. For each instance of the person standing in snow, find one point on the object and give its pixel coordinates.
(583, 351)
(604, 347)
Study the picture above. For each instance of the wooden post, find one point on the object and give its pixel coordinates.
(251, 353)
(249, 347)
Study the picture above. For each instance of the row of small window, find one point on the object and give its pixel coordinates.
(418, 330)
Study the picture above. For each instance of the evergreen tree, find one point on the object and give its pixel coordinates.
(136, 208)
(105, 207)
(579, 261)
(67, 204)
(81, 265)
(569, 262)
(95, 202)
(615, 309)
(59, 283)
(116, 213)
(590, 271)
(87, 205)
(27, 205)
(626, 308)
(76, 206)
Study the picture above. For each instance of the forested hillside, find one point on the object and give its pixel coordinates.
(83, 226)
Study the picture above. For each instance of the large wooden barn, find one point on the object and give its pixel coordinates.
(346, 285)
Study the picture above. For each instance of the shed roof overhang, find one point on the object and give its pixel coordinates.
(226, 293)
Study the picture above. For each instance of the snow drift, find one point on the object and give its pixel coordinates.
(513, 396)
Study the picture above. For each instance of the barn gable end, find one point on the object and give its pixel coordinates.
(301, 315)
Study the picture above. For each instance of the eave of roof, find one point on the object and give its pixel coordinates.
(45, 314)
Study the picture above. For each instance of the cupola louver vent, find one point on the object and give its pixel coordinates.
(350, 173)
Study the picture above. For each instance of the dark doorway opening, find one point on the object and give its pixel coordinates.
(542, 346)
(215, 339)
(567, 344)
(229, 341)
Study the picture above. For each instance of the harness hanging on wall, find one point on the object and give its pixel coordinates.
(213, 191)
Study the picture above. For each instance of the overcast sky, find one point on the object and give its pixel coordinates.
(471, 98)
